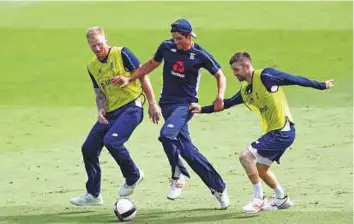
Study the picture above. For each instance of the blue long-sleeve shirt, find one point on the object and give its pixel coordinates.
(271, 79)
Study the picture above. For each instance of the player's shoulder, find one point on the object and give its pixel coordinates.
(117, 49)
(269, 71)
(202, 52)
(168, 43)
(196, 47)
(92, 61)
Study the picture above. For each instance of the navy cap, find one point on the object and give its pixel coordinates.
(182, 26)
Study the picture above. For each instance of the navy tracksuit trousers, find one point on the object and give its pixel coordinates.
(176, 141)
(122, 123)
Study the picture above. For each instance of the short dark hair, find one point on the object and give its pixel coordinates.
(240, 57)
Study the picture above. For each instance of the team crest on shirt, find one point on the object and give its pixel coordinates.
(191, 56)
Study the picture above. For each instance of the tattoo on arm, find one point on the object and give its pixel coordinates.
(100, 99)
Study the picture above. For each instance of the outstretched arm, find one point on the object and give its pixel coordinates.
(229, 102)
(272, 77)
(145, 69)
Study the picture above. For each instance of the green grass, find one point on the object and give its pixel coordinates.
(47, 108)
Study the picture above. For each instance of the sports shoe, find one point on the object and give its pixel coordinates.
(223, 199)
(87, 200)
(176, 187)
(255, 205)
(126, 190)
(279, 203)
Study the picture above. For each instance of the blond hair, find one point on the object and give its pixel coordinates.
(95, 31)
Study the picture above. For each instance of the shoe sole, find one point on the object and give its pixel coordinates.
(252, 212)
(286, 205)
(224, 208)
(260, 208)
(85, 204)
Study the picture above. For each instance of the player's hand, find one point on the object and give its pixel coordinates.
(154, 113)
(120, 80)
(218, 104)
(195, 108)
(329, 83)
(101, 116)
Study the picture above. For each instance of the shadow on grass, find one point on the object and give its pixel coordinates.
(153, 216)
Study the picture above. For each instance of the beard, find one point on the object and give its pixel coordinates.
(240, 78)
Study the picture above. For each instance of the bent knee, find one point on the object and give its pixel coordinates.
(246, 156)
(111, 141)
(167, 135)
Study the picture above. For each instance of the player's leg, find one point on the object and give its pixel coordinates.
(248, 161)
(175, 117)
(203, 168)
(269, 149)
(128, 118)
(91, 150)
(281, 199)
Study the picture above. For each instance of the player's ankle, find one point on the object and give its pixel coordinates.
(279, 192)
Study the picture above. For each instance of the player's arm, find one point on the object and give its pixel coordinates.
(229, 102)
(214, 68)
(154, 110)
(272, 78)
(145, 69)
(221, 86)
(132, 65)
(100, 101)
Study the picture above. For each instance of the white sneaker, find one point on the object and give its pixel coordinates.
(279, 203)
(255, 205)
(87, 200)
(126, 190)
(223, 199)
(176, 187)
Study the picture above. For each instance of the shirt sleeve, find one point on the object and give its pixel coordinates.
(159, 53)
(273, 78)
(229, 102)
(210, 63)
(130, 61)
(94, 83)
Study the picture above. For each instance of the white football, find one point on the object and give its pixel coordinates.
(124, 209)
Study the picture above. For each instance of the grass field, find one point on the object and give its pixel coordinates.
(47, 108)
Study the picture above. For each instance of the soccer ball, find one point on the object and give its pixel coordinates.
(124, 209)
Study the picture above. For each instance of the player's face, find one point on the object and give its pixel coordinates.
(98, 45)
(180, 40)
(239, 70)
